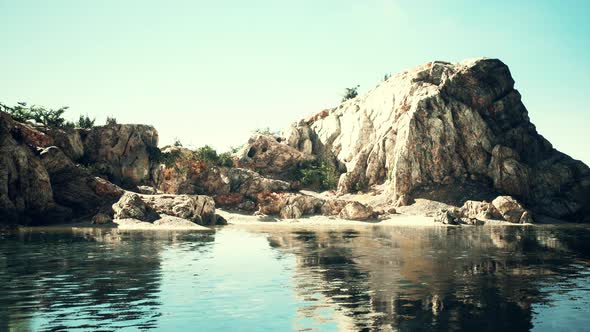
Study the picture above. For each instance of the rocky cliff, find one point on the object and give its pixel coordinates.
(39, 184)
(448, 132)
(122, 152)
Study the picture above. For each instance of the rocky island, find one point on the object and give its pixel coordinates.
(451, 142)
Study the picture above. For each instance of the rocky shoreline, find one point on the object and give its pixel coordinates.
(448, 142)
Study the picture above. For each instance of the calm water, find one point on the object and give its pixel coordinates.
(372, 278)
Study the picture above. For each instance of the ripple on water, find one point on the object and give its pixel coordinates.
(374, 278)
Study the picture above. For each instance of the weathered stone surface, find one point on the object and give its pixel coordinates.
(25, 187)
(296, 205)
(68, 140)
(101, 219)
(74, 187)
(481, 210)
(441, 124)
(511, 210)
(250, 183)
(121, 151)
(132, 206)
(197, 208)
(268, 156)
(147, 190)
(332, 207)
(189, 177)
(356, 211)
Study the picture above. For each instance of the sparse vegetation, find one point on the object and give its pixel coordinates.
(386, 76)
(266, 131)
(226, 160)
(111, 121)
(177, 143)
(85, 122)
(350, 93)
(317, 174)
(40, 115)
(204, 154)
(46, 117)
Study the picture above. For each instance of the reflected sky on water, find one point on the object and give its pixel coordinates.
(371, 278)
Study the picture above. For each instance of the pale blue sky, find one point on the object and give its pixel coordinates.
(210, 72)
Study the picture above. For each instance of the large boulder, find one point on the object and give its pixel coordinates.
(441, 124)
(122, 151)
(196, 208)
(297, 205)
(511, 210)
(132, 206)
(480, 210)
(269, 156)
(356, 211)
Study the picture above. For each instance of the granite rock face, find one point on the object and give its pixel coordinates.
(199, 209)
(75, 187)
(195, 208)
(441, 124)
(25, 187)
(68, 140)
(267, 155)
(132, 206)
(511, 210)
(356, 211)
(122, 151)
(297, 205)
(229, 186)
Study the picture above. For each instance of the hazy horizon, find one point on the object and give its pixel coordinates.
(212, 73)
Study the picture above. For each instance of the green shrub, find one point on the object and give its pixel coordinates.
(207, 154)
(226, 160)
(41, 115)
(350, 93)
(167, 158)
(111, 121)
(266, 131)
(316, 174)
(85, 122)
(204, 154)
(177, 143)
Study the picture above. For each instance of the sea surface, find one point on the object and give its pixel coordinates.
(372, 278)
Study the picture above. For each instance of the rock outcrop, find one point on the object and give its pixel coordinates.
(267, 155)
(199, 209)
(75, 187)
(25, 187)
(132, 206)
(511, 210)
(228, 186)
(356, 211)
(503, 208)
(121, 151)
(68, 140)
(195, 208)
(443, 124)
(297, 205)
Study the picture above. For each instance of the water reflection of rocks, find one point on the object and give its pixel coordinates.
(436, 279)
(96, 279)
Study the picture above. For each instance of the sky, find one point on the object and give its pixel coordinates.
(212, 72)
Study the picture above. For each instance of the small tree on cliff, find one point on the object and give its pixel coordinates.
(350, 93)
(39, 114)
(85, 122)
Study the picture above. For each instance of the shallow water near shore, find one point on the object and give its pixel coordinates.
(346, 278)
